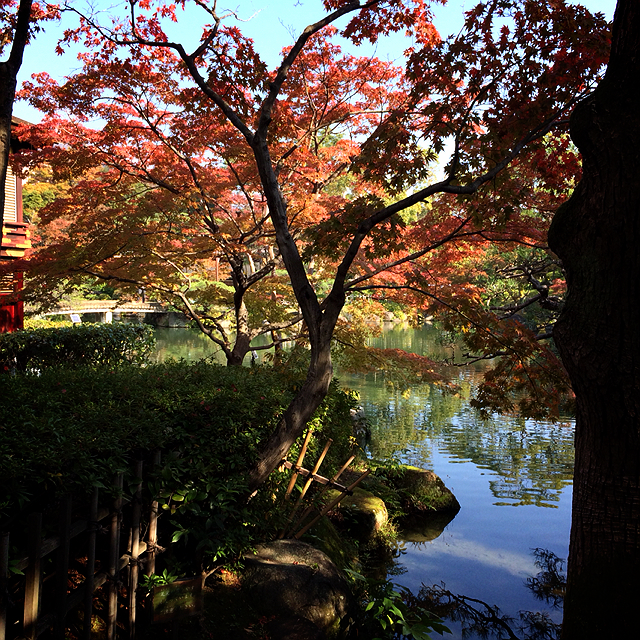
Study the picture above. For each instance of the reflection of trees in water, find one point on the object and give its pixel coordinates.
(532, 461)
(185, 344)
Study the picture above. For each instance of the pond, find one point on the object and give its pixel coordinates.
(512, 477)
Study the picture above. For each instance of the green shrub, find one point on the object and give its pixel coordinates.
(47, 322)
(67, 430)
(85, 344)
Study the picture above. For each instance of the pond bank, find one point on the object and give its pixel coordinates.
(512, 478)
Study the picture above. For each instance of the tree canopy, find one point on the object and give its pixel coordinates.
(325, 167)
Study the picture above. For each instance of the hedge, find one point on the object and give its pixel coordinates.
(66, 430)
(83, 344)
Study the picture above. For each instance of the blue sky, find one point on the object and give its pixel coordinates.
(270, 23)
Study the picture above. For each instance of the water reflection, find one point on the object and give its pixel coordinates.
(185, 344)
(532, 461)
(426, 528)
(485, 552)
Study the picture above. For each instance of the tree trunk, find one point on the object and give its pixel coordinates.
(320, 324)
(597, 236)
(8, 82)
(298, 413)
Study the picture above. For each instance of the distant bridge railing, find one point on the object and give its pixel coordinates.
(107, 308)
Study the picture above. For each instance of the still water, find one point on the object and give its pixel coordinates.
(512, 477)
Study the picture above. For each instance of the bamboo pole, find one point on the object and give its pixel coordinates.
(34, 577)
(152, 539)
(91, 565)
(332, 504)
(4, 575)
(306, 486)
(294, 475)
(62, 567)
(135, 550)
(327, 486)
(114, 549)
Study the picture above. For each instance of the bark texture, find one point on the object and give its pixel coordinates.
(597, 236)
(8, 82)
(320, 325)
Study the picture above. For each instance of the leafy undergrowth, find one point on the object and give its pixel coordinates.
(69, 430)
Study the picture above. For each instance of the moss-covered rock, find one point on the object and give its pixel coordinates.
(364, 514)
(422, 491)
(324, 536)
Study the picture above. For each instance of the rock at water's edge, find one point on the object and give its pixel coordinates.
(367, 513)
(291, 579)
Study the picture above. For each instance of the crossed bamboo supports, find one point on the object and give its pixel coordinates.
(299, 528)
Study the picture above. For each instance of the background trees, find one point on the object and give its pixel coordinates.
(15, 32)
(174, 185)
(19, 21)
(174, 192)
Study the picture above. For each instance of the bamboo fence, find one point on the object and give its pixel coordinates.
(52, 593)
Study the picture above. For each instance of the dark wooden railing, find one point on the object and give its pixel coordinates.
(50, 591)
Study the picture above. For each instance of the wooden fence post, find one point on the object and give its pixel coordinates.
(294, 475)
(332, 504)
(305, 488)
(114, 556)
(152, 539)
(4, 579)
(34, 577)
(91, 564)
(62, 568)
(135, 550)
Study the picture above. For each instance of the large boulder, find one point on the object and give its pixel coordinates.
(295, 582)
(423, 490)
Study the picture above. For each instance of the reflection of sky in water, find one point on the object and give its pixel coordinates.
(485, 552)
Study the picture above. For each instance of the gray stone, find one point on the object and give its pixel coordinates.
(366, 512)
(291, 579)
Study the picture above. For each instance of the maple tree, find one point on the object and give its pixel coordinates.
(500, 90)
(172, 194)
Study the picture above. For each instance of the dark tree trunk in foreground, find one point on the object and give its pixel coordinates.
(597, 236)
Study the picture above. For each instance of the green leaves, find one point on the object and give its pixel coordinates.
(68, 430)
(86, 344)
(395, 611)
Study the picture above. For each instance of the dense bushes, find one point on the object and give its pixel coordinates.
(84, 344)
(67, 430)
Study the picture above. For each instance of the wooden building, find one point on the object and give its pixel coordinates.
(15, 241)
